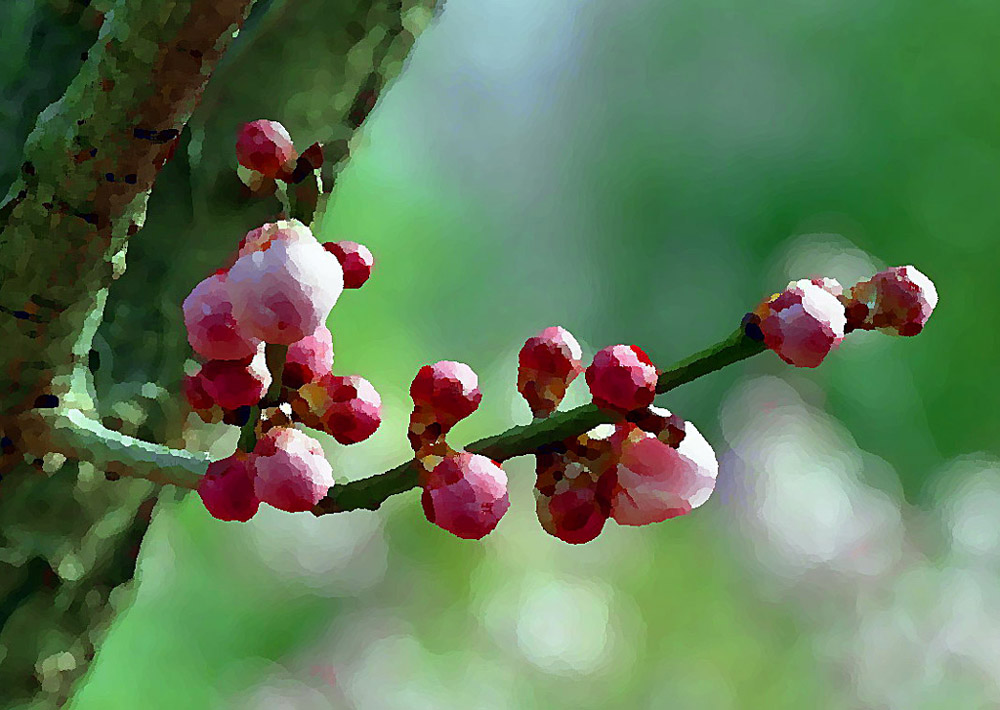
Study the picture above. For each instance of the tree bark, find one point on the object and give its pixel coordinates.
(68, 537)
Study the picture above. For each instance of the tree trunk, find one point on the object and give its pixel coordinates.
(68, 537)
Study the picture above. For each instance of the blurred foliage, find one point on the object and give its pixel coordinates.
(637, 172)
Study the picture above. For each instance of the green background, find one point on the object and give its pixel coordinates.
(638, 172)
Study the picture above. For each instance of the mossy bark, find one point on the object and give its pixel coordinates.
(69, 537)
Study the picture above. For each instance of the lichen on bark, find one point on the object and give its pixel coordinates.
(68, 536)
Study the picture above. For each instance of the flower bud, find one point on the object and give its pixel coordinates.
(654, 481)
(466, 494)
(802, 324)
(308, 359)
(212, 329)
(447, 390)
(569, 501)
(347, 408)
(622, 378)
(264, 146)
(898, 300)
(285, 291)
(547, 364)
(236, 383)
(292, 472)
(227, 488)
(356, 260)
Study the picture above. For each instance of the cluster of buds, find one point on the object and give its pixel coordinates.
(650, 465)
(810, 318)
(287, 469)
(646, 466)
(645, 470)
(262, 319)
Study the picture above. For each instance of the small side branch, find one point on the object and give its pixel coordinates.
(73, 434)
(370, 493)
(76, 436)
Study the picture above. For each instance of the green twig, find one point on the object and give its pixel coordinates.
(76, 436)
(73, 434)
(275, 357)
(248, 432)
(370, 493)
(305, 198)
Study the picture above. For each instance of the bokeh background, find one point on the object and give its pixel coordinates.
(637, 171)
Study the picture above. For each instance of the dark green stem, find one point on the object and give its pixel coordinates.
(304, 198)
(275, 356)
(731, 350)
(369, 493)
(88, 440)
(248, 432)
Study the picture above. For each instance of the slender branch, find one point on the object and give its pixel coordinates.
(275, 355)
(248, 432)
(76, 436)
(731, 350)
(370, 493)
(79, 437)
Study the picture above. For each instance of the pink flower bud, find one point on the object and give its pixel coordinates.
(308, 359)
(284, 291)
(622, 378)
(572, 494)
(356, 260)
(466, 494)
(899, 300)
(570, 503)
(227, 488)
(547, 364)
(575, 515)
(654, 481)
(292, 472)
(347, 408)
(448, 390)
(236, 383)
(264, 146)
(211, 326)
(802, 324)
